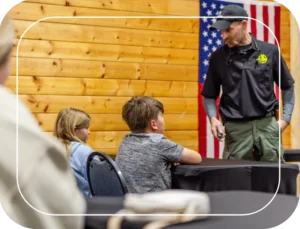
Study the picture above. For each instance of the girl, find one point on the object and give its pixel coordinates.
(72, 129)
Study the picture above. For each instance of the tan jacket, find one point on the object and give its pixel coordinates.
(45, 178)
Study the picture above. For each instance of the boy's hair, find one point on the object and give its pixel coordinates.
(68, 119)
(139, 111)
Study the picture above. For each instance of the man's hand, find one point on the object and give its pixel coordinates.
(282, 125)
(216, 127)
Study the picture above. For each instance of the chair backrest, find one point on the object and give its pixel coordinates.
(104, 176)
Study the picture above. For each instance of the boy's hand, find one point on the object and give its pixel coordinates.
(173, 164)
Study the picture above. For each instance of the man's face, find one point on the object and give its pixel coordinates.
(234, 34)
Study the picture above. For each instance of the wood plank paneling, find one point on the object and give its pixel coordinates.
(286, 140)
(101, 104)
(285, 34)
(285, 48)
(172, 7)
(284, 17)
(105, 35)
(295, 70)
(298, 177)
(112, 139)
(35, 11)
(103, 69)
(88, 51)
(285, 40)
(114, 122)
(104, 87)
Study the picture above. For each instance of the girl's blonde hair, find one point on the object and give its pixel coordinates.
(69, 119)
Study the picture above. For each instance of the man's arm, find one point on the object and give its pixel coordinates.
(210, 107)
(216, 125)
(288, 100)
(284, 79)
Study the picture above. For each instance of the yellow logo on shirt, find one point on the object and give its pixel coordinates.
(262, 58)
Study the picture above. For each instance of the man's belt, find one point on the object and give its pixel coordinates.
(270, 114)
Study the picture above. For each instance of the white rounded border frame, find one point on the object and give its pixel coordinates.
(5, 6)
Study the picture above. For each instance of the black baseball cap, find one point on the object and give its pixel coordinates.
(223, 20)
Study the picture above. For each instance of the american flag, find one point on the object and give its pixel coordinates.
(265, 12)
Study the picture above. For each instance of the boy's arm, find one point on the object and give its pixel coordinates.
(190, 157)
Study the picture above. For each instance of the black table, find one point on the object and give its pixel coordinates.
(227, 202)
(219, 175)
(292, 155)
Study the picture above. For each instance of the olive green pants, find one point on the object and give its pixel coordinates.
(262, 135)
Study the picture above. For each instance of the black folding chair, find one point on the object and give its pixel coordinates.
(104, 176)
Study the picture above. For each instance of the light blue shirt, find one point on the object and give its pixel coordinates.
(78, 159)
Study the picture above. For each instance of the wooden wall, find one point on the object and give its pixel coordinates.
(98, 64)
(295, 70)
(285, 46)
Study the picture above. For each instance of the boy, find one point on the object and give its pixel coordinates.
(145, 154)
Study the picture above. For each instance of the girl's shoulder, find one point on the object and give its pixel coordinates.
(79, 147)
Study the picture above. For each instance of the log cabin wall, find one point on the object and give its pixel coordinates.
(295, 70)
(97, 64)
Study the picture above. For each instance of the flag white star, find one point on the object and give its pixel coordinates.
(219, 42)
(221, 7)
(208, 26)
(204, 5)
(214, 48)
(214, 35)
(205, 34)
(204, 76)
(205, 62)
(213, 6)
(204, 19)
(213, 20)
(205, 48)
(209, 41)
(208, 12)
(209, 54)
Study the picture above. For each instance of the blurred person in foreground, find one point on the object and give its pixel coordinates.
(44, 179)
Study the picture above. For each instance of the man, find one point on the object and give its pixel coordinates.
(246, 69)
(43, 183)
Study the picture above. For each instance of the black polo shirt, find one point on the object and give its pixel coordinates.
(247, 75)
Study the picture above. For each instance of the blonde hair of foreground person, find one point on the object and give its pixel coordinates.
(45, 179)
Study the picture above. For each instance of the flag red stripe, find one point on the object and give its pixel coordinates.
(266, 22)
(277, 22)
(202, 135)
(253, 22)
(277, 35)
(216, 141)
(216, 148)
